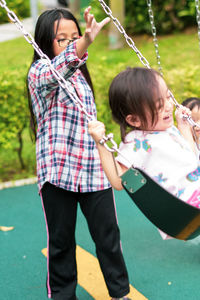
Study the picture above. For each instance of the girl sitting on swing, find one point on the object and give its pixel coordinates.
(141, 104)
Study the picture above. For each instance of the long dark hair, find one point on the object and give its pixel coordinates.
(135, 92)
(44, 36)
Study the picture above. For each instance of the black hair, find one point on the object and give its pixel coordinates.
(191, 102)
(44, 36)
(135, 92)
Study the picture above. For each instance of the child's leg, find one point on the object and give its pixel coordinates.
(60, 208)
(99, 210)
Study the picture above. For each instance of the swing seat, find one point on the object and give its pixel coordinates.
(167, 212)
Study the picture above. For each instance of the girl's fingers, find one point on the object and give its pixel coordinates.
(86, 12)
(92, 27)
(97, 130)
(96, 125)
(104, 22)
(89, 21)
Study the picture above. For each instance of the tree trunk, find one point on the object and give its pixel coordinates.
(19, 149)
(116, 39)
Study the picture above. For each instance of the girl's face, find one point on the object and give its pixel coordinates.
(165, 113)
(196, 117)
(66, 32)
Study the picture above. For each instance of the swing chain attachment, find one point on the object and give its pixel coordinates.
(153, 30)
(105, 139)
(128, 39)
(114, 148)
(198, 17)
(66, 85)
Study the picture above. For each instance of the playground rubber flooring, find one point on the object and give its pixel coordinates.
(158, 270)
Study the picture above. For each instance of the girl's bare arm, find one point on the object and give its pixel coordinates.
(97, 131)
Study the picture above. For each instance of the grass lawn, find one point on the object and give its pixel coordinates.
(180, 56)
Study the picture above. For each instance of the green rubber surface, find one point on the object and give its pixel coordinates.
(160, 270)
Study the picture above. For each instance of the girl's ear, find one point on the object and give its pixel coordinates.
(133, 121)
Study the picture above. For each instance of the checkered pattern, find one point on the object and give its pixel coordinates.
(66, 154)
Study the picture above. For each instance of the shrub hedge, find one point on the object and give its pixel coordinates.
(169, 15)
(20, 7)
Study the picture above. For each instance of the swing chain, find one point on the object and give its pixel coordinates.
(198, 17)
(3, 3)
(153, 30)
(128, 39)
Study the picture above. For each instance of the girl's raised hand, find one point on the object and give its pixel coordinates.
(92, 27)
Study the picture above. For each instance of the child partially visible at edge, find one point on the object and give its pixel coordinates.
(141, 104)
(193, 103)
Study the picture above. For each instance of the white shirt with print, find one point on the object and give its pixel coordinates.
(166, 157)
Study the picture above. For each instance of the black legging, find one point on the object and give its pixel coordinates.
(60, 208)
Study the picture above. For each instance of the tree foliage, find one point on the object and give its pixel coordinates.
(20, 7)
(14, 111)
(169, 15)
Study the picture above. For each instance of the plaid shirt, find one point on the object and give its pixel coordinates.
(66, 154)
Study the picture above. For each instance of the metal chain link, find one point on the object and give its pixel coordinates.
(129, 40)
(198, 17)
(153, 30)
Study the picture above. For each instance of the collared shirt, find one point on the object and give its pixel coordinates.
(66, 154)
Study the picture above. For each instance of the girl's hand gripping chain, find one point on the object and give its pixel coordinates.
(183, 125)
(181, 113)
(97, 130)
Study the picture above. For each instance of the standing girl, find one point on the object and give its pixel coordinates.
(68, 165)
(141, 104)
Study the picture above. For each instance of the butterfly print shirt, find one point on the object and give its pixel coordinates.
(166, 157)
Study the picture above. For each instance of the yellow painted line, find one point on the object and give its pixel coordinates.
(5, 228)
(91, 279)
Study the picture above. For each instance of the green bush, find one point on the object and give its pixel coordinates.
(169, 15)
(20, 7)
(14, 111)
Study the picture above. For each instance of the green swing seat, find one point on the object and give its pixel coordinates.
(167, 212)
